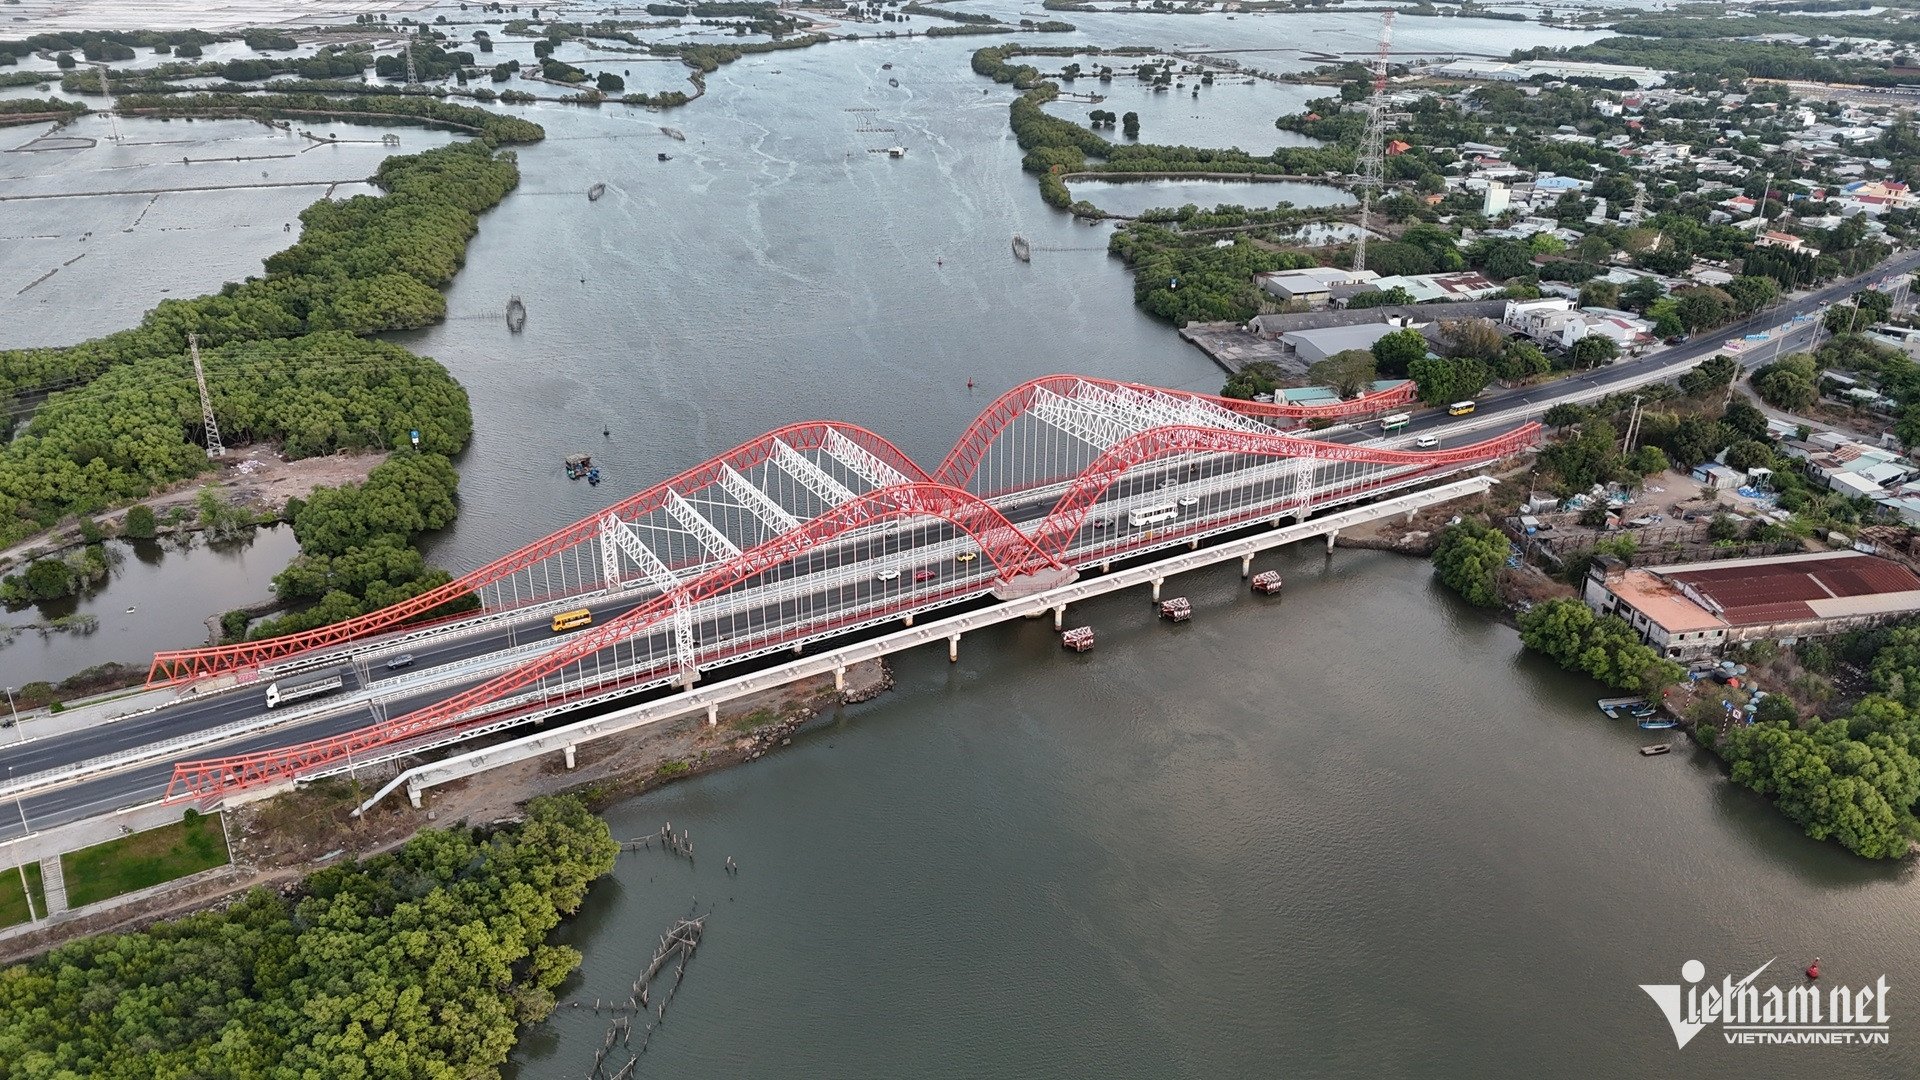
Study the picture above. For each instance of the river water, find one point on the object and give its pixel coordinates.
(1353, 832)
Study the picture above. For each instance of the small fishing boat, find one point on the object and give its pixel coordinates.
(893, 82)
(1021, 249)
(1656, 750)
(580, 465)
(594, 192)
(886, 67)
(1659, 725)
(673, 133)
(896, 151)
(666, 157)
(1614, 707)
(516, 314)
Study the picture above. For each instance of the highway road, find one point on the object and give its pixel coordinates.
(1225, 487)
(1508, 409)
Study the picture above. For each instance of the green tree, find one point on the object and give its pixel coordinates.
(1564, 415)
(1605, 647)
(1396, 352)
(1348, 372)
(1469, 558)
(140, 524)
(1130, 125)
(609, 83)
(1594, 350)
(1710, 376)
(1479, 339)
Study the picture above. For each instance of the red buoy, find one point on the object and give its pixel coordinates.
(1813, 969)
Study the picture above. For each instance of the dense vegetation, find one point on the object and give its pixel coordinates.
(419, 963)
(136, 428)
(388, 107)
(1853, 779)
(1183, 280)
(1469, 559)
(36, 110)
(1603, 646)
(356, 552)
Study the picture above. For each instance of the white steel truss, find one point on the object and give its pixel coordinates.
(811, 476)
(705, 531)
(1096, 427)
(858, 459)
(617, 536)
(757, 502)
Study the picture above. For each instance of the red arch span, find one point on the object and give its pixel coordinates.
(1064, 521)
(1011, 552)
(185, 664)
(964, 459)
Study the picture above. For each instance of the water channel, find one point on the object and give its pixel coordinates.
(1354, 832)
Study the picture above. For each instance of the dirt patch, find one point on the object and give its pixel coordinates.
(257, 478)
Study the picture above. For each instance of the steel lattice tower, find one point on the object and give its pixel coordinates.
(1373, 144)
(214, 446)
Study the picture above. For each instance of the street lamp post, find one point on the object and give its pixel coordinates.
(25, 892)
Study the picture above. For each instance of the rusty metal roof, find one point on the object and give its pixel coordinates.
(1781, 591)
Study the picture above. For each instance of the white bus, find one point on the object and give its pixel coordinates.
(299, 687)
(1150, 515)
(1396, 421)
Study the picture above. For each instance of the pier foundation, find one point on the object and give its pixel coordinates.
(568, 751)
(1157, 582)
(953, 649)
(1246, 565)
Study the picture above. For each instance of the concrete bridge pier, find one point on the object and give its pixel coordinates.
(1059, 614)
(1106, 566)
(953, 649)
(713, 715)
(568, 750)
(1194, 544)
(1332, 535)
(1157, 582)
(840, 677)
(907, 620)
(1246, 565)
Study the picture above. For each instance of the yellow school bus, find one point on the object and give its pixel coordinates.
(1460, 408)
(570, 620)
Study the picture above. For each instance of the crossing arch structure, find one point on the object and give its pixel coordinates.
(874, 454)
(1012, 553)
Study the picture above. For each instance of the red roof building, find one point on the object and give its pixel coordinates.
(1690, 610)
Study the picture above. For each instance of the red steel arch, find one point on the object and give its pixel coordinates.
(964, 459)
(1010, 550)
(1060, 526)
(186, 664)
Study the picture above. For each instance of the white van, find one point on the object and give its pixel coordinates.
(1426, 442)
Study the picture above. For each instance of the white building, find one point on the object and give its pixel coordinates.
(1497, 199)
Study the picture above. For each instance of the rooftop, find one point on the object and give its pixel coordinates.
(1660, 601)
(1750, 592)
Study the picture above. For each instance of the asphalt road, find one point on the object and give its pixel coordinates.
(1225, 486)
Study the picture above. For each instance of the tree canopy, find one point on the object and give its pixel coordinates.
(1602, 646)
(1469, 559)
(419, 963)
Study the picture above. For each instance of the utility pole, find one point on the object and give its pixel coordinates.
(214, 447)
(106, 89)
(1633, 426)
(24, 891)
(1372, 146)
(411, 78)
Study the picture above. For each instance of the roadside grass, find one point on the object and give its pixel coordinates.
(121, 866)
(13, 904)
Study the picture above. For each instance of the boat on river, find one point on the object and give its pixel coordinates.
(893, 82)
(516, 314)
(1021, 249)
(1616, 707)
(1659, 724)
(594, 192)
(580, 465)
(673, 133)
(1656, 750)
